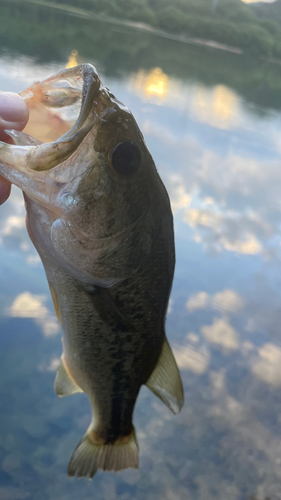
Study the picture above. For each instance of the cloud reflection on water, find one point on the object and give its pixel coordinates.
(152, 85)
(225, 301)
(228, 191)
(222, 334)
(13, 234)
(222, 168)
(190, 358)
(219, 107)
(27, 305)
(267, 367)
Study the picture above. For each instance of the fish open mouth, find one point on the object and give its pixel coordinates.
(74, 120)
(62, 112)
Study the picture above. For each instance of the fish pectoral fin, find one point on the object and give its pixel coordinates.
(90, 456)
(165, 381)
(55, 302)
(64, 384)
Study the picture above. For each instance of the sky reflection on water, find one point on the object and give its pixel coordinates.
(219, 157)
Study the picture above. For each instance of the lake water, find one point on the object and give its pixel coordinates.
(212, 121)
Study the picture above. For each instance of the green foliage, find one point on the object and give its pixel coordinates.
(234, 11)
(49, 35)
(257, 39)
(171, 19)
(230, 22)
(270, 26)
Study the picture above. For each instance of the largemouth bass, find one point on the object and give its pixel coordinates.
(100, 219)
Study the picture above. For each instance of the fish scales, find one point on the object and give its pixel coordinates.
(100, 219)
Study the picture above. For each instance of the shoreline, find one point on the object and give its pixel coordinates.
(77, 11)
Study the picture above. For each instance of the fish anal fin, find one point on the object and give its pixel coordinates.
(64, 384)
(89, 456)
(165, 381)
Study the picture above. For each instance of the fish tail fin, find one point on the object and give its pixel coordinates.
(89, 456)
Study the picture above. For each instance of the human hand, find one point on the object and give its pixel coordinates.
(14, 114)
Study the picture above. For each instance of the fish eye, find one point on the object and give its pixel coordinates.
(125, 158)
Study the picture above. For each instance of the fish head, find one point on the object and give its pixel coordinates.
(114, 172)
(97, 180)
(100, 162)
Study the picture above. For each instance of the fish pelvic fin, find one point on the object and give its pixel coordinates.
(90, 455)
(64, 384)
(165, 381)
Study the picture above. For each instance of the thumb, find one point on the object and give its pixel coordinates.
(14, 113)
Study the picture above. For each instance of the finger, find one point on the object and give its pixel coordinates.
(14, 113)
(5, 189)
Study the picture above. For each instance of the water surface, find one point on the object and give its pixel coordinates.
(212, 121)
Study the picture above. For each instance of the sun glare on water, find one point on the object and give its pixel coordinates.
(154, 83)
(72, 60)
(217, 106)
(258, 1)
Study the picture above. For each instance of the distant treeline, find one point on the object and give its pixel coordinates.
(49, 35)
(253, 28)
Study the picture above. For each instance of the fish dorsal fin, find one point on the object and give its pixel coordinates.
(64, 383)
(165, 381)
